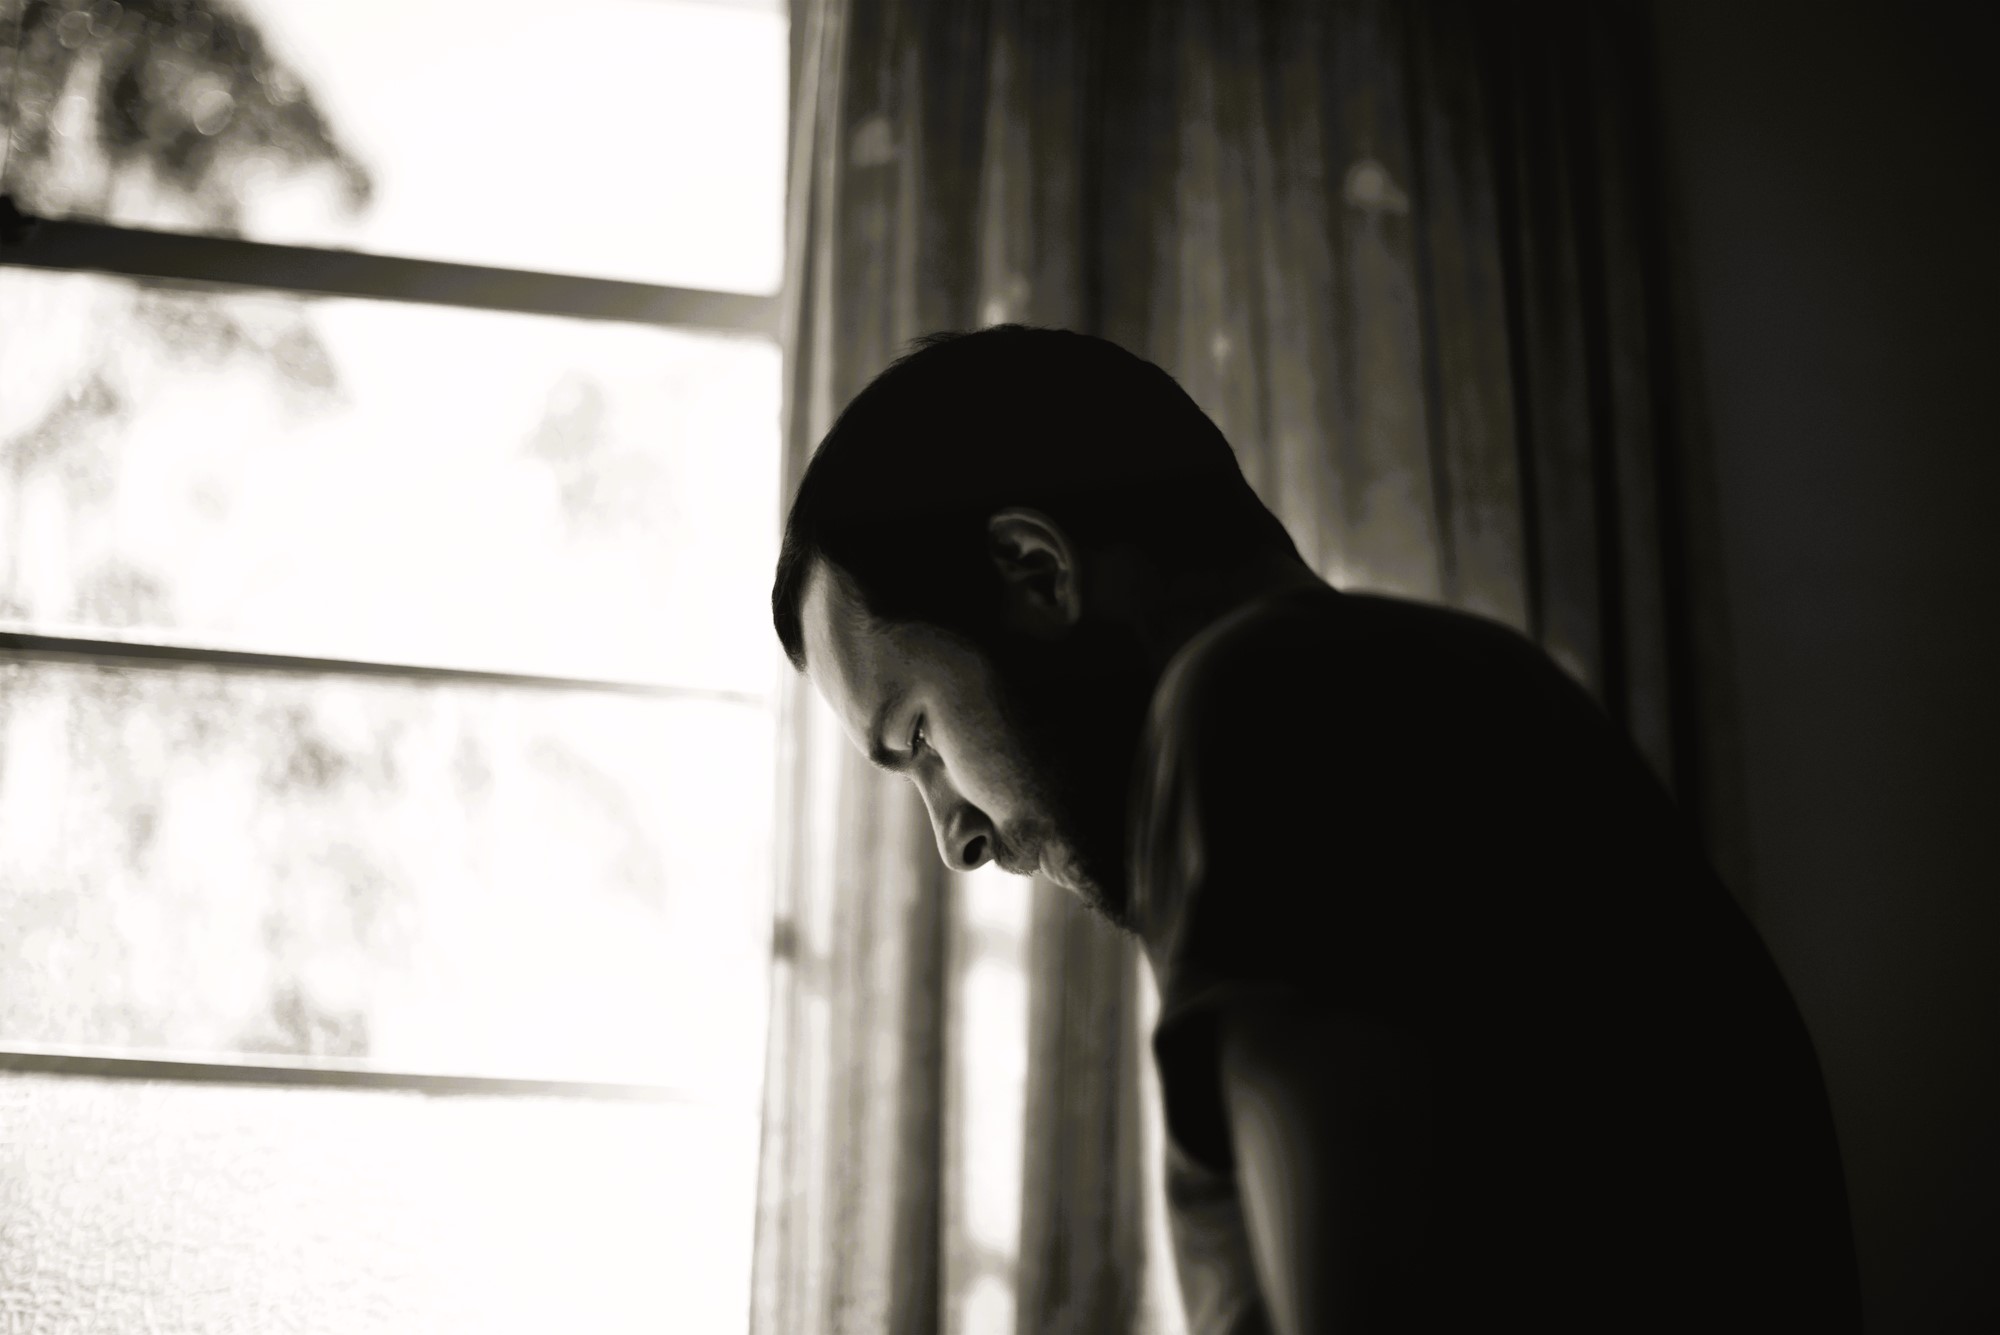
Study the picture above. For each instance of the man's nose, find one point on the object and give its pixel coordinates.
(964, 839)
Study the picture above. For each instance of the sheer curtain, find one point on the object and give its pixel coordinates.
(1403, 254)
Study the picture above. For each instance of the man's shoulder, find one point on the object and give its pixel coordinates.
(1359, 655)
(1302, 713)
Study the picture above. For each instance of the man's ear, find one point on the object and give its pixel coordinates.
(1038, 569)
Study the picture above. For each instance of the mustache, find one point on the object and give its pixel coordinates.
(1009, 857)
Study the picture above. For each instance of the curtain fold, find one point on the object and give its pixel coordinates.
(1404, 255)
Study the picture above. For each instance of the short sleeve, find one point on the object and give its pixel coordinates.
(1212, 1257)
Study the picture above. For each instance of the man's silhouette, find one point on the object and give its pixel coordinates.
(1457, 1025)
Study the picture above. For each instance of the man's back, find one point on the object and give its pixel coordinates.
(1361, 806)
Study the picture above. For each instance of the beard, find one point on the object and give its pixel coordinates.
(1076, 713)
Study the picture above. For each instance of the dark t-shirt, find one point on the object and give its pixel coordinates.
(1357, 804)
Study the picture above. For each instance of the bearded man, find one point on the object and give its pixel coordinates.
(1457, 1023)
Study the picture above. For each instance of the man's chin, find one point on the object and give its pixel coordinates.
(1059, 871)
(1065, 873)
(1053, 861)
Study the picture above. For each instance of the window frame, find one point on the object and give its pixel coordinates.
(204, 262)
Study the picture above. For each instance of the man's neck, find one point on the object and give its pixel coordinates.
(1190, 605)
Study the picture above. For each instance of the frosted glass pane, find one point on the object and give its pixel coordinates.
(992, 1020)
(638, 139)
(430, 877)
(354, 479)
(986, 1102)
(196, 1209)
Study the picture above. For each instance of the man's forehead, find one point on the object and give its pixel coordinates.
(843, 656)
(834, 619)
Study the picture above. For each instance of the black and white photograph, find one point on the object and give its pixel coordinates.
(999, 667)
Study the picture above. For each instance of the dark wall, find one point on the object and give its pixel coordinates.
(1831, 207)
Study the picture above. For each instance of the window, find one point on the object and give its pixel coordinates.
(389, 399)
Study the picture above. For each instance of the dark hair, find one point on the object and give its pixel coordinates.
(965, 424)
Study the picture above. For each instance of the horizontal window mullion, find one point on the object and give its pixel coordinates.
(22, 644)
(53, 1061)
(170, 257)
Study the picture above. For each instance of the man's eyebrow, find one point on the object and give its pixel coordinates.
(879, 753)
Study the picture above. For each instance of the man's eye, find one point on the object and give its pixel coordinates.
(917, 738)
